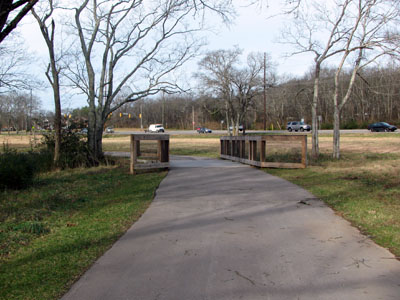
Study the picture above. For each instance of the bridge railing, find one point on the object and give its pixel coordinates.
(254, 150)
(162, 158)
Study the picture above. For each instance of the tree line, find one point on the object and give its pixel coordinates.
(376, 97)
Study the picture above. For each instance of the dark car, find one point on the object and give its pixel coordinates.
(381, 126)
(204, 130)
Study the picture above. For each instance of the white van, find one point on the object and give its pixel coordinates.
(156, 128)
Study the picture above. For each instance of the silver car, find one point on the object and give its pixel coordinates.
(109, 130)
(297, 126)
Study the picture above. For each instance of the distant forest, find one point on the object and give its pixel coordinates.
(376, 97)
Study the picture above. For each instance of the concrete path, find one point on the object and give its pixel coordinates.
(220, 230)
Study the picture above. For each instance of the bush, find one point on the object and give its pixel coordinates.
(326, 126)
(350, 124)
(17, 170)
(73, 150)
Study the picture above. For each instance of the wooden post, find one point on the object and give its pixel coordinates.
(242, 149)
(262, 150)
(133, 154)
(164, 151)
(251, 151)
(254, 154)
(304, 151)
(138, 148)
(159, 150)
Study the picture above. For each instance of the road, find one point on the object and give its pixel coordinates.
(222, 132)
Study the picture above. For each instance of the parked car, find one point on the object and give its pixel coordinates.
(109, 130)
(156, 128)
(297, 126)
(204, 130)
(381, 126)
(84, 131)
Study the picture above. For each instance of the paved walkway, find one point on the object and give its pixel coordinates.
(220, 230)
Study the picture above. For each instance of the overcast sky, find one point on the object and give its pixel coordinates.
(253, 30)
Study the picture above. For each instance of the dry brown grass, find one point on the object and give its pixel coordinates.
(363, 143)
(350, 143)
(360, 143)
(19, 141)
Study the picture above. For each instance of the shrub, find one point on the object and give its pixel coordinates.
(73, 149)
(350, 124)
(17, 170)
(326, 126)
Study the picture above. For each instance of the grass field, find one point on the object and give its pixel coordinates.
(52, 232)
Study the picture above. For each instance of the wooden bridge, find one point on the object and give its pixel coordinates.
(162, 158)
(252, 150)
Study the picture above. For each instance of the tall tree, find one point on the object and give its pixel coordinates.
(47, 28)
(235, 85)
(311, 32)
(145, 41)
(368, 39)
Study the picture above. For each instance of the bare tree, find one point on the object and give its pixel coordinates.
(17, 110)
(135, 46)
(236, 86)
(316, 29)
(14, 59)
(47, 28)
(368, 40)
(11, 13)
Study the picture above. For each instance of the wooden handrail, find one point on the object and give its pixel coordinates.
(234, 148)
(162, 151)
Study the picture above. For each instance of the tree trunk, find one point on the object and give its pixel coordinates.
(54, 80)
(315, 140)
(57, 126)
(95, 135)
(336, 132)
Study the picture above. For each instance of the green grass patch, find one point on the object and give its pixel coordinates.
(197, 136)
(203, 152)
(364, 189)
(52, 233)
